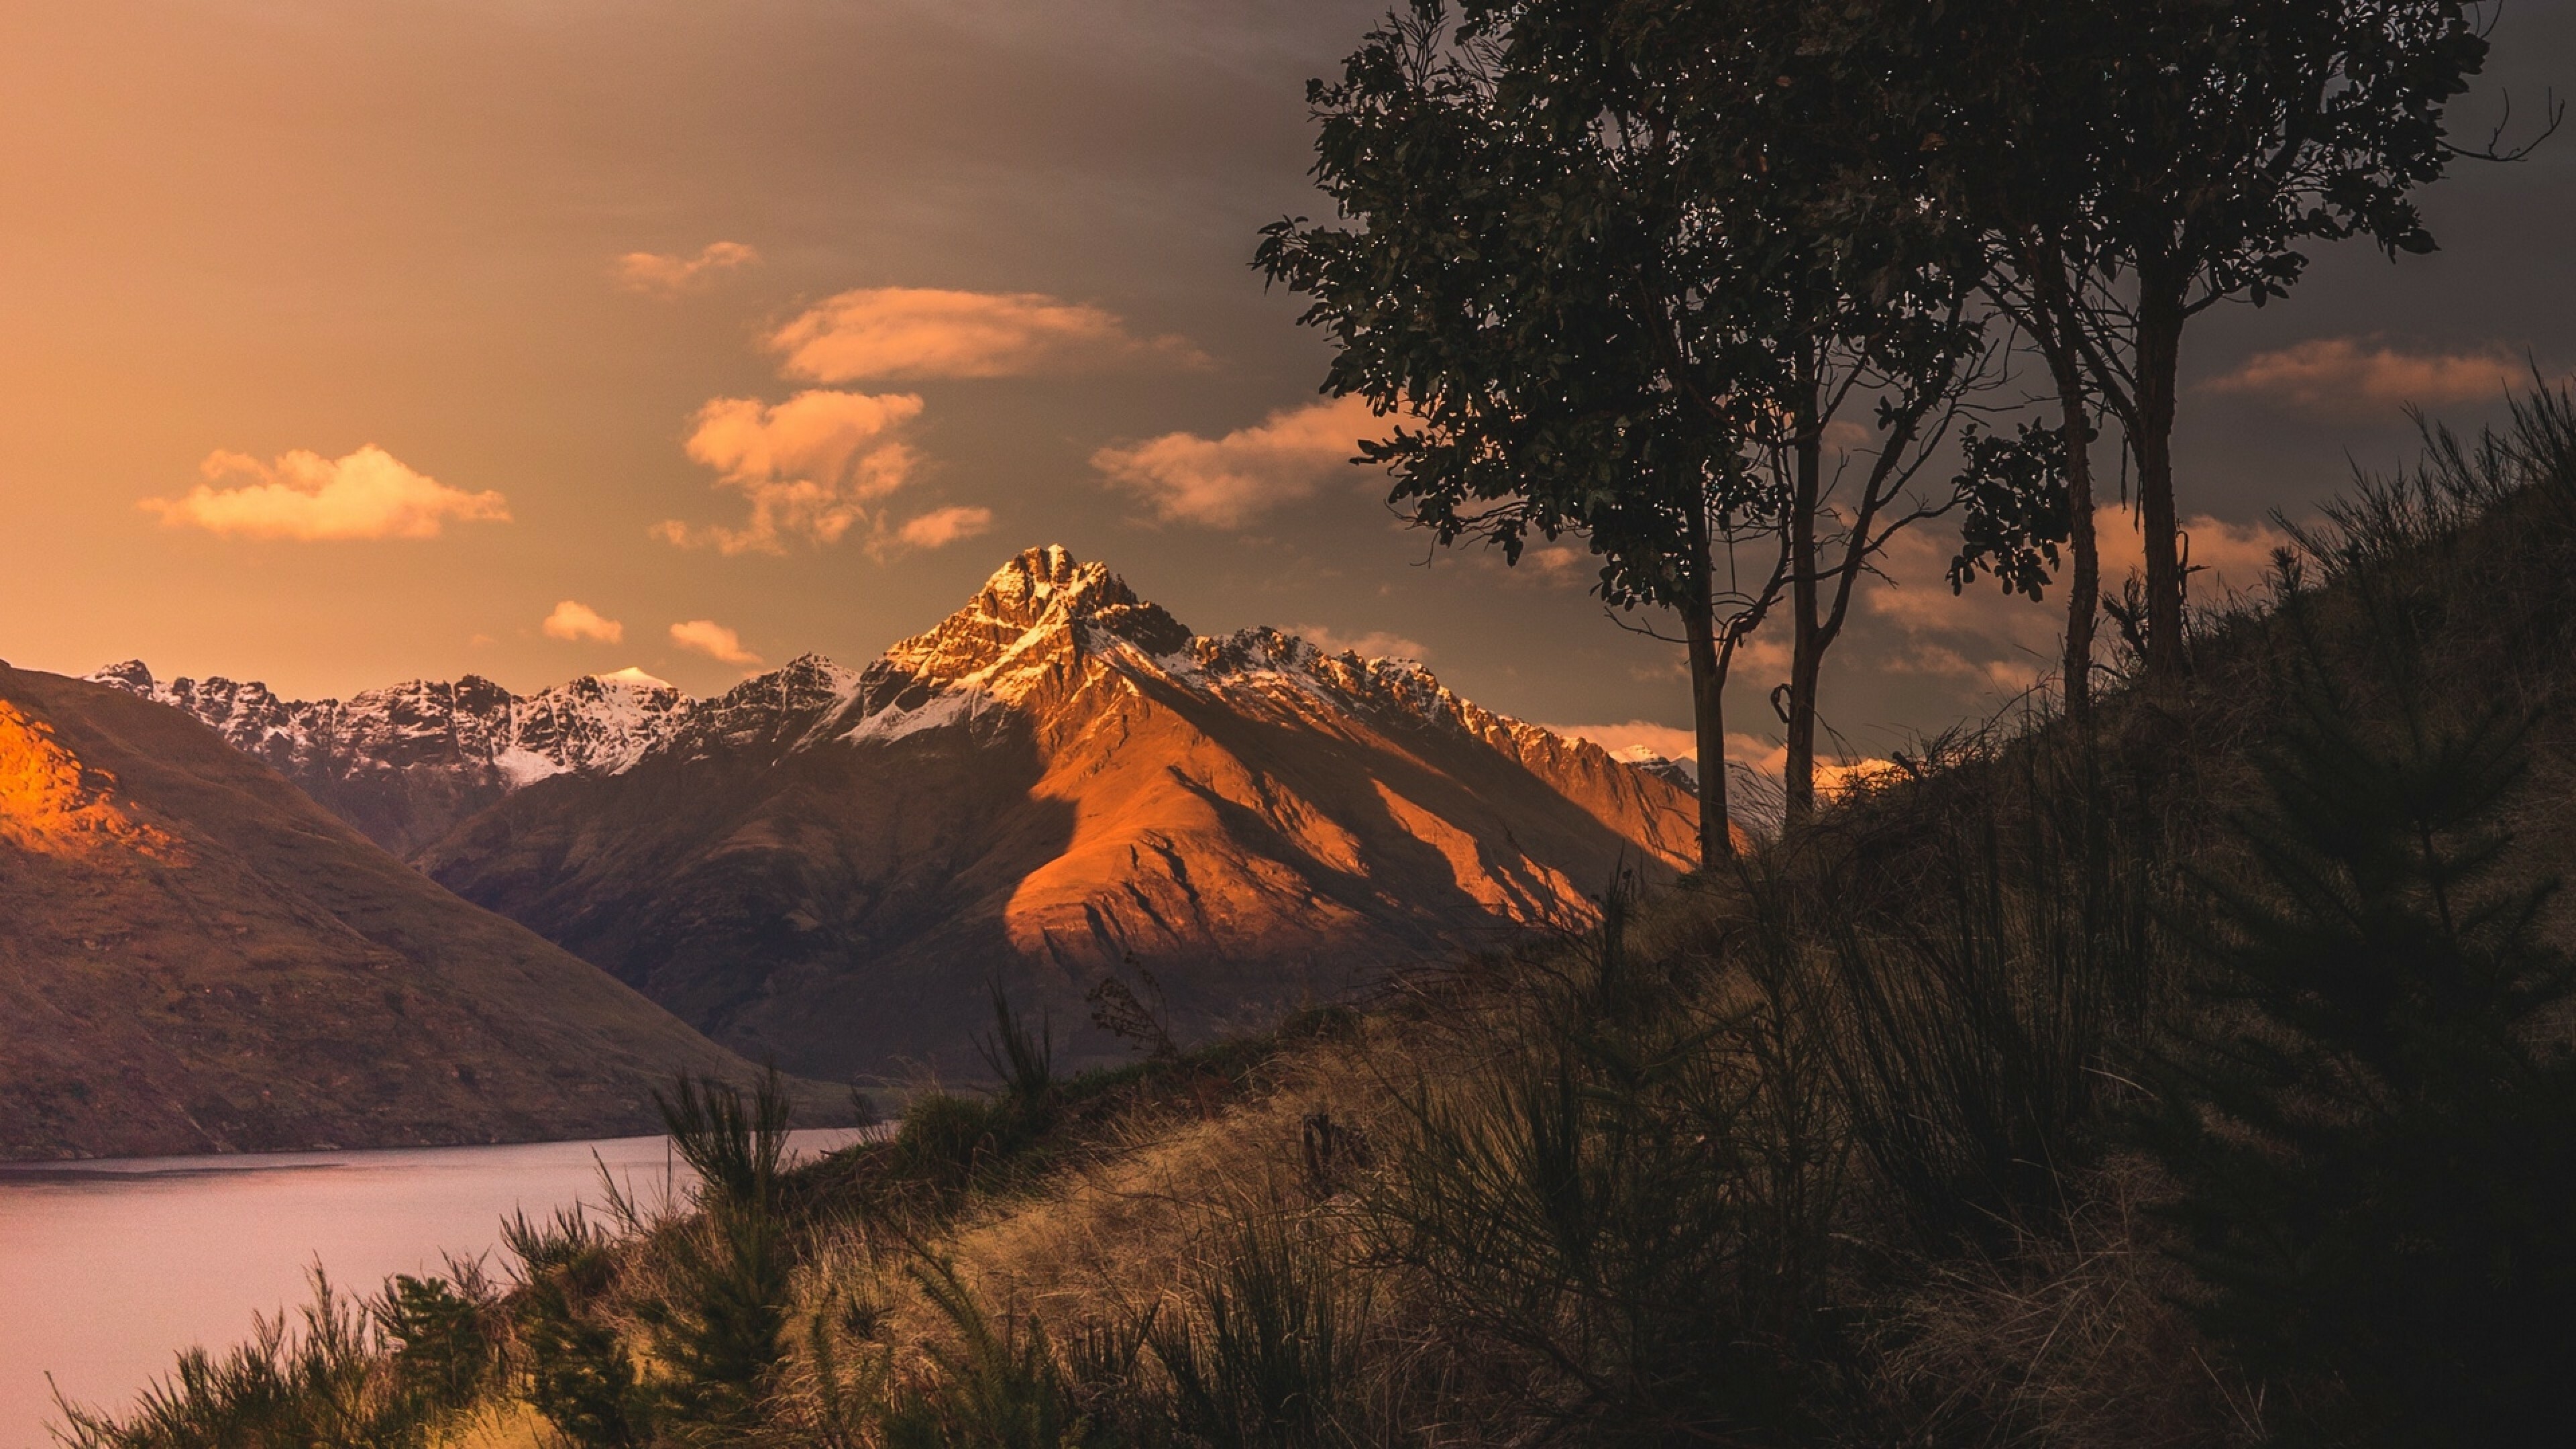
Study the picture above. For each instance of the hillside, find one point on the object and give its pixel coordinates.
(195, 957)
(1056, 783)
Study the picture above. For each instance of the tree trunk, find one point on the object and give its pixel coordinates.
(1708, 705)
(2084, 578)
(2159, 357)
(1807, 642)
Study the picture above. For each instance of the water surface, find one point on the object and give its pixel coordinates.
(108, 1268)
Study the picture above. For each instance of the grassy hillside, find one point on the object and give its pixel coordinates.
(195, 957)
(2198, 1081)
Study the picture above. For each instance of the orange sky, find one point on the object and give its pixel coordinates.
(349, 343)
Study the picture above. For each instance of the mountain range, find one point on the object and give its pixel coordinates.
(196, 957)
(1058, 783)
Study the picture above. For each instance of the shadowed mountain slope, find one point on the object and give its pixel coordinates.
(1057, 781)
(196, 957)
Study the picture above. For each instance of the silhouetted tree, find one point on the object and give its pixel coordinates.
(2135, 163)
(2375, 1141)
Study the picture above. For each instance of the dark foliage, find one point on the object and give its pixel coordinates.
(2376, 1137)
(1632, 1201)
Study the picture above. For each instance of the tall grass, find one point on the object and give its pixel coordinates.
(1625, 1209)
(1263, 1350)
(1986, 1009)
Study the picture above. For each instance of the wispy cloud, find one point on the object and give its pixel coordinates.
(714, 640)
(1225, 482)
(1375, 644)
(941, 527)
(2346, 376)
(812, 466)
(574, 621)
(368, 494)
(883, 333)
(667, 276)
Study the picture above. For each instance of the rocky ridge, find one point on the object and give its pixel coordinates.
(405, 763)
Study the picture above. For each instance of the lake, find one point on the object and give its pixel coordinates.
(109, 1268)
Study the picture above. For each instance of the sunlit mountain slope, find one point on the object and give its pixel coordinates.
(194, 956)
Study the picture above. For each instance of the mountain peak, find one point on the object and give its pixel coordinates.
(1038, 580)
(1039, 591)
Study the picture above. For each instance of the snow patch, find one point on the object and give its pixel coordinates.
(889, 724)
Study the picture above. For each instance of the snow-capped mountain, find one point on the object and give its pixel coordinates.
(406, 763)
(1057, 782)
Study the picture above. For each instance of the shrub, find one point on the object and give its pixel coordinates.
(2374, 1139)
(720, 1316)
(1623, 1211)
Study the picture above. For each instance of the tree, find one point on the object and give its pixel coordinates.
(2138, 162)
(2002, 111)
(1630, 264)
(1521, 281)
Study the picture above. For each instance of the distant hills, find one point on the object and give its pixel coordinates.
(1057, 783)
(195, 957)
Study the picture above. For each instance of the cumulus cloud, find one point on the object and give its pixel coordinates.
(941, 527)
(714, 640)
(304, 496)
(573, 621)
(813, 466)
(2361, 375)
(879, 333)
(1225, 482)
(668, 276)
(1375, 644)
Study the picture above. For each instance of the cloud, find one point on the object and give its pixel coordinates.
(2348, 376)
(1559, 564)
(574, 621)
(1376, 644)
(367, 494)
(668, 276)
(812, 466)
(1224, 482)
(924, 332)
(941, 527)
(714, 640)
